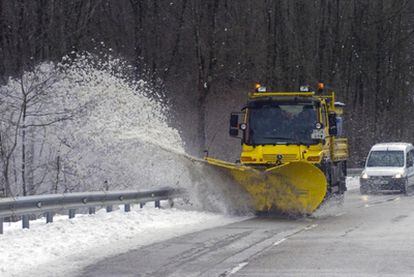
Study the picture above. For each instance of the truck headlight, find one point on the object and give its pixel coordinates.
(243, 126)
(318, 125)
(398, 176)
(364, 176)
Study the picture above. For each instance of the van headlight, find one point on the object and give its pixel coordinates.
(398, 176)
(364, 176)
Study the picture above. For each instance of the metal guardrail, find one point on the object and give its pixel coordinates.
(49, 204)
(354, 171)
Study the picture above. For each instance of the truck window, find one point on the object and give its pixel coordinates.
(281, 123)
(339, 126)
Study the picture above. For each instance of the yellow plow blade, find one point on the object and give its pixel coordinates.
(296, 187)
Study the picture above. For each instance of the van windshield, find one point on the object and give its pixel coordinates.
(386, 159)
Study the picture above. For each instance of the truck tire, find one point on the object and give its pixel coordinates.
(404, 189)
(363, 190)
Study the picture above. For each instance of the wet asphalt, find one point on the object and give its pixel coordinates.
(364, 236)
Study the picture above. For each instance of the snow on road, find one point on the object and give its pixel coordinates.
(66, 246)
(352, 182)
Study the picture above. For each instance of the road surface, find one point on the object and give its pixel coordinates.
(368, 236)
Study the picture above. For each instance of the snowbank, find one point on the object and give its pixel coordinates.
(352, 183)
(66, 246)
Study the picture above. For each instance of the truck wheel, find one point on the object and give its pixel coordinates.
(363, 190)
(342, 186)
(340, 199)
(405, 187)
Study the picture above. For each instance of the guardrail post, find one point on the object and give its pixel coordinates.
(25, 222)
(1, 225)
(157, 203)
(141, 205)
(49, 217)
(72, 213)
(127, 208)
(91, 210)
(108, 209)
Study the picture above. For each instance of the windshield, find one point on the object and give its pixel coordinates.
(281, 123)
(386, 159)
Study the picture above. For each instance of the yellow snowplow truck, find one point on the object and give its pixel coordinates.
(293, 153)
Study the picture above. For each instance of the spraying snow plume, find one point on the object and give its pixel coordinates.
(90, 126)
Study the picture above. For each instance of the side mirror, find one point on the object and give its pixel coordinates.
(234, 120)
(234, 125)
(234, 132)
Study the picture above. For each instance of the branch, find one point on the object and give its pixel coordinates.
(46, 114)
(48, 123)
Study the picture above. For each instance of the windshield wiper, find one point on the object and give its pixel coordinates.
(284, 138)
(290, 140)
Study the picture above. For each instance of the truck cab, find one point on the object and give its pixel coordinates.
(284, 127)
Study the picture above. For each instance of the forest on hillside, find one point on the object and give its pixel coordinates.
(201, 57)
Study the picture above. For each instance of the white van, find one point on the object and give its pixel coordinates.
(389, 167)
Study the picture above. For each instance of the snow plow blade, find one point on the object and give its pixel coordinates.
(291, 188)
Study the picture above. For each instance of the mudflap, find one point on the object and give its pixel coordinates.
(291, 188)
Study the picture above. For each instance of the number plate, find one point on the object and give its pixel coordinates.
(318, 134)
(381, 182)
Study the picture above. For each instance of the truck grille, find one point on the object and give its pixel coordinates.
(286, 157)
(380, 178)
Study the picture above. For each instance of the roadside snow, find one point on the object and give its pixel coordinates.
(64, 247)
(352, 183)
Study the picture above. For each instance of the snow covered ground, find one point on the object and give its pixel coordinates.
(352, 182)
(66, 246)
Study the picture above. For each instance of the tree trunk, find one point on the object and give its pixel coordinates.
(57, 174)
(137, 8)
(23, 141)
